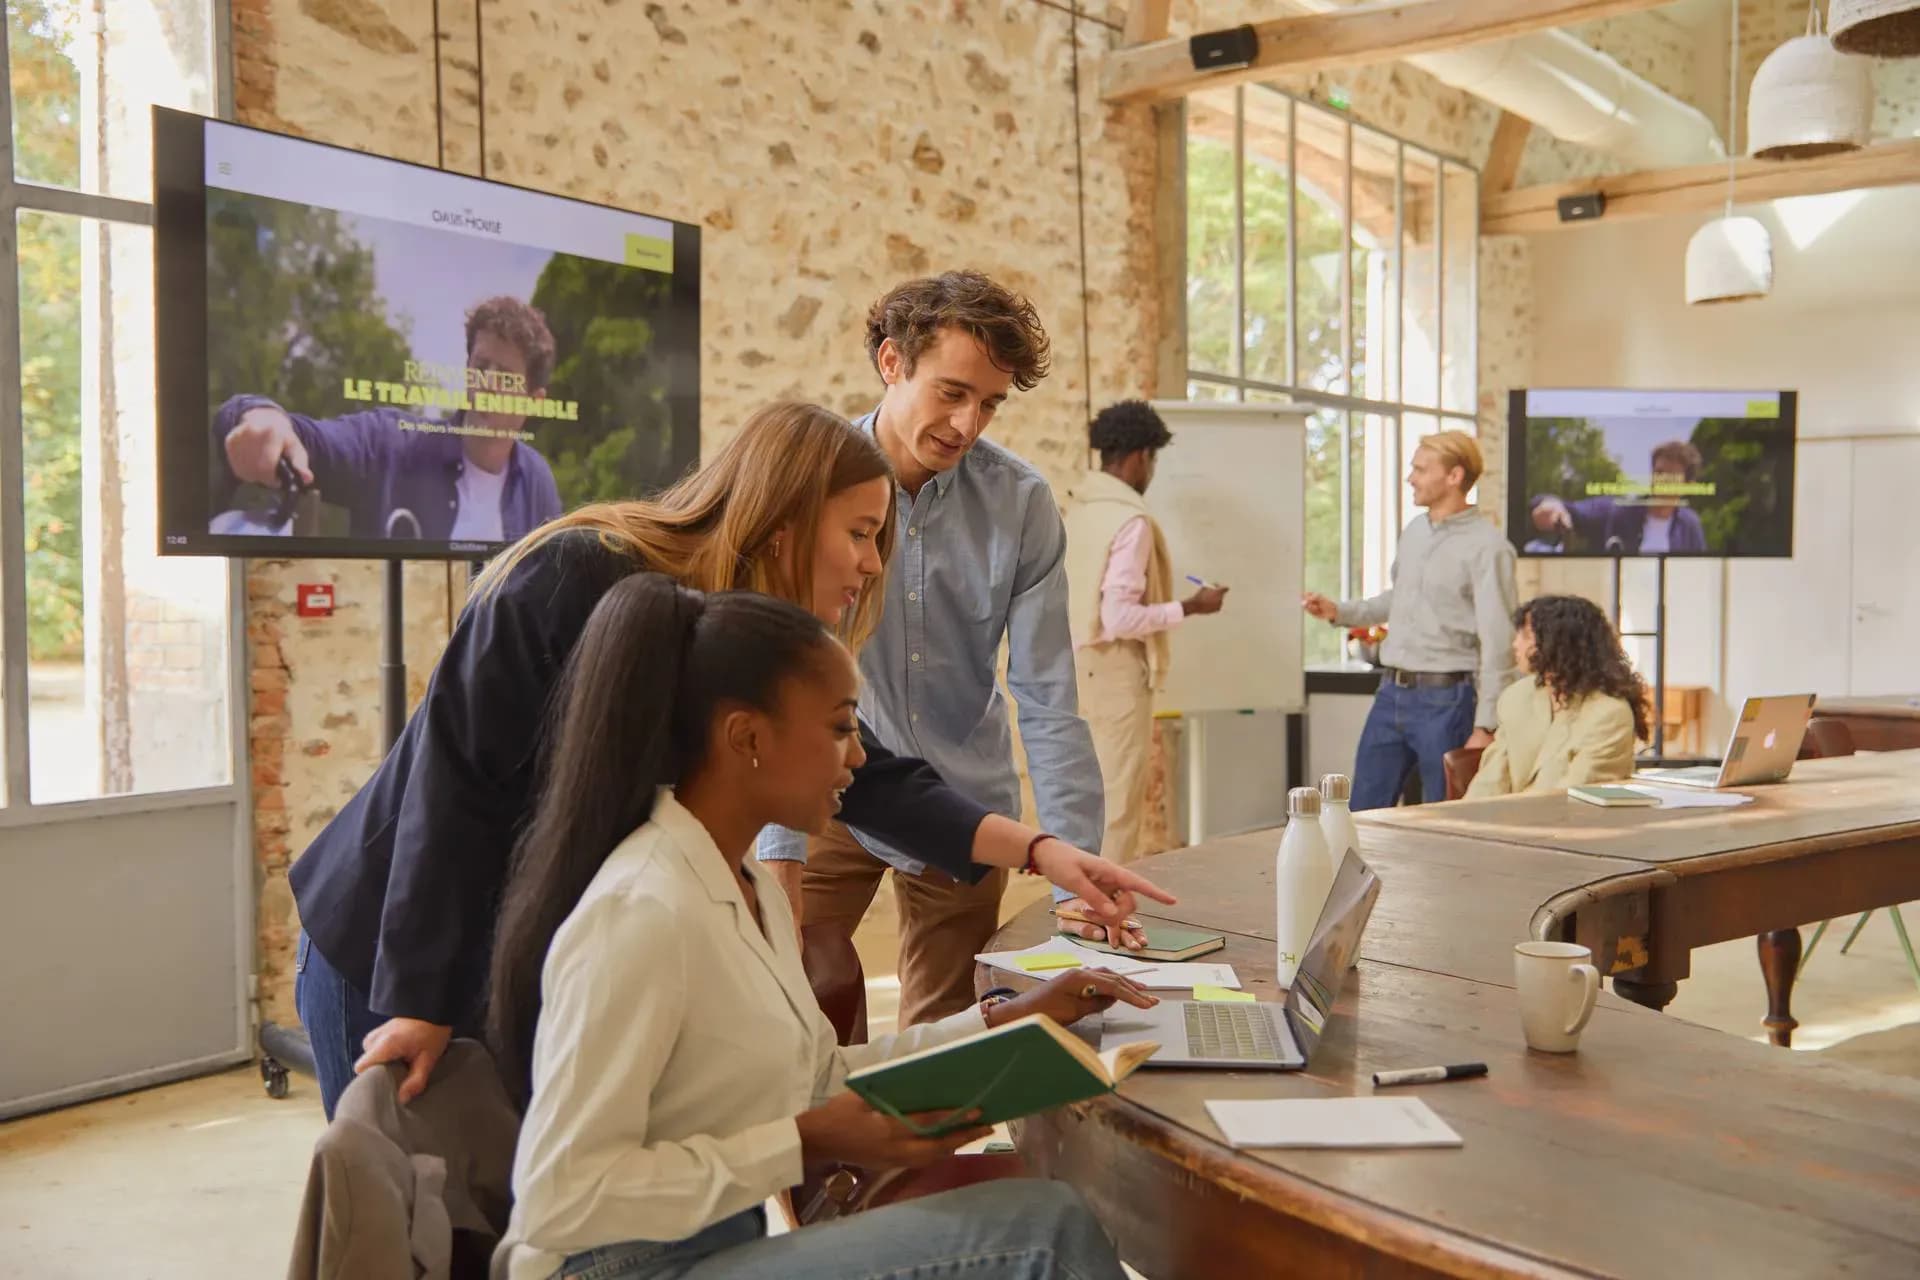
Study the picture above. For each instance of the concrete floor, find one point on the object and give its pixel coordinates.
(203, 1178)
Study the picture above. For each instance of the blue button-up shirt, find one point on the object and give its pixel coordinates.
(981, 558)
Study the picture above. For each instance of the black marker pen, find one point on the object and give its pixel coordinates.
(1429, 1075)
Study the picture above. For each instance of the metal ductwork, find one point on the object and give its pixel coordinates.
(1576, 93)
(1582, 96)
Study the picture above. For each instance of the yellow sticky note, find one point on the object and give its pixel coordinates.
(1223, 995)
(1047, 960)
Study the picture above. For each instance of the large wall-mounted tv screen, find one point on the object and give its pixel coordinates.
(363, 357)
(1651, 473)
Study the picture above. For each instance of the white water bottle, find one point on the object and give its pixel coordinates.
(1302, 875)
(1336, 824)
(1336, 818)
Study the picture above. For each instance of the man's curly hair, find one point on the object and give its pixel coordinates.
(1576, 653)
(524, 326)
(1000, 320)
(1127, 426)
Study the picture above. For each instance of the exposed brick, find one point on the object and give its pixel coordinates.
(274, 723)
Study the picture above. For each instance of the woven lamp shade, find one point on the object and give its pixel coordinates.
(1809, 101)
(1878, 28)
(1729, 260)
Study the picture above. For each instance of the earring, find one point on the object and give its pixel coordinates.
(756, 762)
(776, 548)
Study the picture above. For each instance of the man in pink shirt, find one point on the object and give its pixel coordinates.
(1121, 606)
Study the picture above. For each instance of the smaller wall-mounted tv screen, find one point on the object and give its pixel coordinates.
(1651, 473)
(363, 357)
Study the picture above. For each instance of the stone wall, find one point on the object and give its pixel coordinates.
(828, 150)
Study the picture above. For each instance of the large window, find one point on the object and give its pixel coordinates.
(1332, 265)
(115, 660)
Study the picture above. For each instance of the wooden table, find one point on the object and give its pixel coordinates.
(1841, 837)
(1605, 905)
(1650, 1152)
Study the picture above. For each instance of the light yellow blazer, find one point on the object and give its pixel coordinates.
(1539, 749)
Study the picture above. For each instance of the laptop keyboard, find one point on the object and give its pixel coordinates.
(1231, 1032)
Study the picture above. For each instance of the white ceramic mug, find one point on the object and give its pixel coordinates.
(1558, 985)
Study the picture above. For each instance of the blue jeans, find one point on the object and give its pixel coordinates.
(1410, 728)
(336, 1017)
(1012, 1229)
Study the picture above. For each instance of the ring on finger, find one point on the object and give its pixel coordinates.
(1089, 991)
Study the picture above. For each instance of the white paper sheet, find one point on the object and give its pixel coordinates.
(1151, 974)
(1689, 797)
(1332, 1122)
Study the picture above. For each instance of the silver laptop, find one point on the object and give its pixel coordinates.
(1765, 743)
(1265, 1036)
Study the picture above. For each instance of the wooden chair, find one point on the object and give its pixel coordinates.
(1461, 765)
(1827, 738)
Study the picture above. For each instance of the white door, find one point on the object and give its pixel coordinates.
(1886, 568)
(1790, 622)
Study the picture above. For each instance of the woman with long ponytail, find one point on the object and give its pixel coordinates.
(397, 894)
(647, 1000)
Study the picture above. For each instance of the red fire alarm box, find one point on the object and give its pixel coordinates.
(315, 599)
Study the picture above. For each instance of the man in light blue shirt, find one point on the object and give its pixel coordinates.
(980, 560)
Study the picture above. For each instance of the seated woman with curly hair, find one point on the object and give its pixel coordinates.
(1576, 719)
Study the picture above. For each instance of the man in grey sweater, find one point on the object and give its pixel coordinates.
(1449, 614)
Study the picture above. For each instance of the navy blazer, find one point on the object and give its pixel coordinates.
(399, 891)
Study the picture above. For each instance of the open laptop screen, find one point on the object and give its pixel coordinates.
(1334, 943)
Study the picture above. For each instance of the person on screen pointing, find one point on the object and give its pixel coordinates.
(397, 481)
(1449, 615)
(1653, 526)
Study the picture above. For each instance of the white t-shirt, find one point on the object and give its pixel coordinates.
(478, 518)
(1656, 537)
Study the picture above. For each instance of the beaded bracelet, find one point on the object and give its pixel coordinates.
(1027, 868)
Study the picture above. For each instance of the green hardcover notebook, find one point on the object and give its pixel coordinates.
(1022, 1068)
(1164, 942)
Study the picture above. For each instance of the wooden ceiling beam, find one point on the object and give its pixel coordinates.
(1702, 188)
(1503, 157)
(1147, 20)
(1163, 69)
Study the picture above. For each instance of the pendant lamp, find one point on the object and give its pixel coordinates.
(1808, 99)
(1731, 258)
(1878, 28)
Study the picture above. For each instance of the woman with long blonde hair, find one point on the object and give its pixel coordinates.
(397, 895)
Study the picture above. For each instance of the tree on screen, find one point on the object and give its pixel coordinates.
(1739, 459)
(292, 307)
(1564, 455)
(605, 319)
